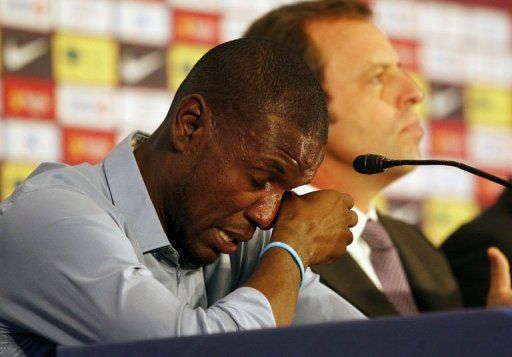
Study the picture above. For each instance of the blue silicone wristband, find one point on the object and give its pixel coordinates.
(292, 252)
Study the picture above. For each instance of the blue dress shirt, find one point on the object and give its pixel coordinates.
(84, 259)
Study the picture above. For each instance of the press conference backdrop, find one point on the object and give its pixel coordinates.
(78, 75)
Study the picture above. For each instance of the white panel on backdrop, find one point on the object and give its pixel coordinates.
(2, 140)
(87, 16)
(490, 147)
(232, 28)
(86, 106)
(443, 64)
(200, 5)
(32, 141)
(412, 186)
(449, 182)
(489, 68)
(492, 29)
(30, 14)
(444, 22)
(398, 18)
(142, 109)
(238, 15)
(424, 146)
(144, 22)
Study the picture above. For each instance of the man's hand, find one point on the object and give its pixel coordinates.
(500, 292)
(316, 225)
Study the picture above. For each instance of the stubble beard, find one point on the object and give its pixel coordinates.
(178, 233)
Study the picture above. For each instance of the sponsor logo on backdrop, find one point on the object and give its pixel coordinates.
(2, 139)
(90, 146)
(30, 98)
(150, 104)
(399, 18)
(196, 27)
(31, 141)
(444, 64)
(83, 59)
(445, 101)
(30, 14)
(26, 53)
(489, 146)
(76, 15)
(143, 66)
(86, 106)
(144, 22)
(181, 58)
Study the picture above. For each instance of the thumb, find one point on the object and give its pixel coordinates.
(500, 272)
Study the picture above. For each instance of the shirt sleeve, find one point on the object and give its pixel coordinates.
(317, 303)
(70, 274)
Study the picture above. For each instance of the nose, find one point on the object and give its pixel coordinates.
(410, 92)
(264, 211)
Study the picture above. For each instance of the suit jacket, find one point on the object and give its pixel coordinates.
(428, 273)
(466, 249)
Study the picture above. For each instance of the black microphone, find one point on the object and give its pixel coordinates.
(370, 164)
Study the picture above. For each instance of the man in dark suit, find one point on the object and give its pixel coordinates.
(467, 248)
(371, 100)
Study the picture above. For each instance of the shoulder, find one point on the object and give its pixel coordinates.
(50, 216)
(82, 178)
(492, 226)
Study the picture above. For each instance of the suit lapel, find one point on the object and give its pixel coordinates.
(347, 278)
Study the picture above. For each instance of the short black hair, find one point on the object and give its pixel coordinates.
(246, 80)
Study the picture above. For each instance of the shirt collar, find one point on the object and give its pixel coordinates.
(130, 196)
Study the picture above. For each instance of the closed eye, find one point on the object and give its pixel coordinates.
(258, 184)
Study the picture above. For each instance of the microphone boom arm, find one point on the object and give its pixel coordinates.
(392, 163)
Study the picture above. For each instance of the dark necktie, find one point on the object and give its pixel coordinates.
(387, 266)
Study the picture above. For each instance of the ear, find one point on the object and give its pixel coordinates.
(191, 121)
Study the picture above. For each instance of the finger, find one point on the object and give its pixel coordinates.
(347, 200)
(350, 238)
(500, 271)
(353, 219)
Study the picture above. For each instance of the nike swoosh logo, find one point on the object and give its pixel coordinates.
(134, 69)
(18, 56)
(445, 101)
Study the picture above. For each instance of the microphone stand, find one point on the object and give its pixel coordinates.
(460, 165)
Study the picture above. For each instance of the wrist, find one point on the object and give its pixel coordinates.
(290, 236)
(292, 253)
